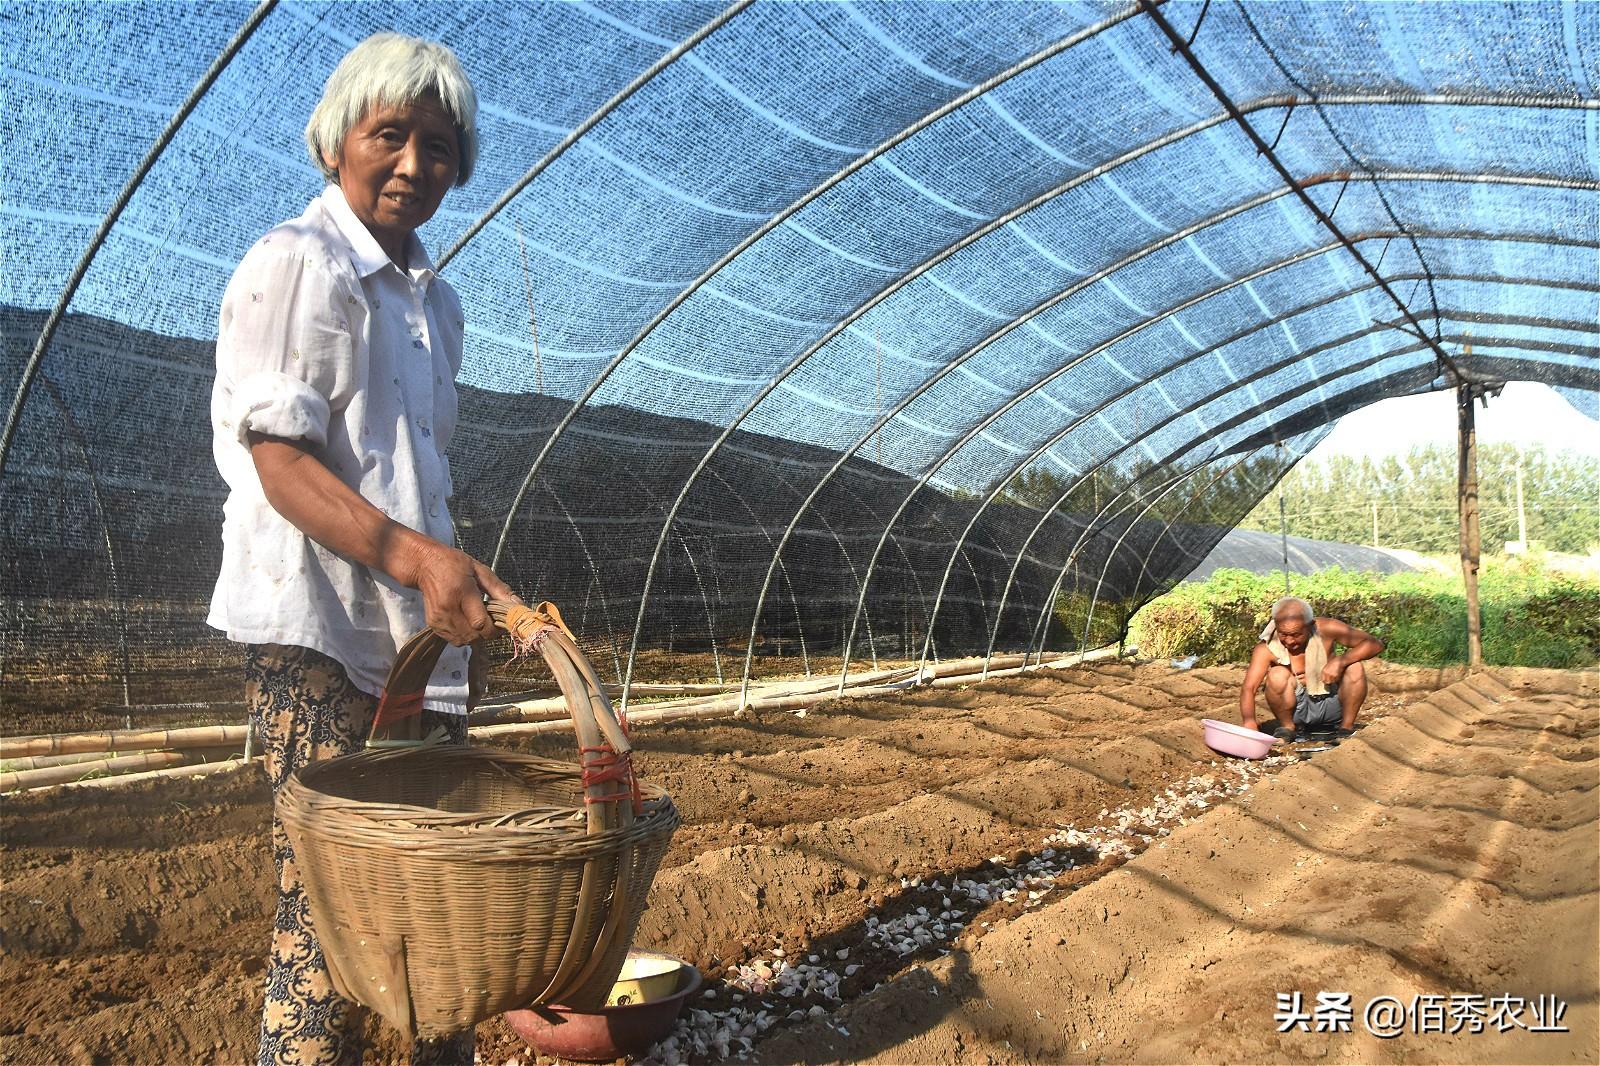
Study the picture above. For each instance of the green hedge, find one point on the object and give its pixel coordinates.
(1531, 617)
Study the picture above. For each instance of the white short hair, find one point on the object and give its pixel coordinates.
(391, 68)
(1289, 605)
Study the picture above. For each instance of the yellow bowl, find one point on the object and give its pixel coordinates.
(645, 976)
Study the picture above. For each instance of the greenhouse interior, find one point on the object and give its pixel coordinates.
(1038, 304)
(804, 343)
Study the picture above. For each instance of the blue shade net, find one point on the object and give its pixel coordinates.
(842, 331)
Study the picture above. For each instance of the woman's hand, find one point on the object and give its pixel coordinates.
(334, 515)
(453, 585)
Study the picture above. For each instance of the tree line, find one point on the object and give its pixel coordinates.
(1409, 501)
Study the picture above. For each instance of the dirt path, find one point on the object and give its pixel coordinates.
(134, 919)
(1450, 850)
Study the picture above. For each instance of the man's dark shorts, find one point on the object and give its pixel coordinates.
(1317, 712)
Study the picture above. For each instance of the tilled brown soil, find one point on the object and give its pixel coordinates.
(821, 850)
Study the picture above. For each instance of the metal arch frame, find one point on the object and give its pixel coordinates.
(1081, 419)
(1172, 137)
(1037, 641)
(687, 45)
(75, 434)
(1093, 279)
(949, 107)
(1568, 325)
(47, 333)
(1000, 486)
(1181, 46)
(845, 555)
(1071, 427)
(1511, 368)
(1144, 568)
(794, 600)
(1102, 519)
(1255, 375)
(1244, 416)
(599, 584)
(705, 600)
(1338, 404)
(965, 554)
(1105, 568)
(890, 415)
(777, 379)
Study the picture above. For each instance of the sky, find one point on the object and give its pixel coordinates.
(1526, 413)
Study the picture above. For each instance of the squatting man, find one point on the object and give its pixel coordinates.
(1310, 690)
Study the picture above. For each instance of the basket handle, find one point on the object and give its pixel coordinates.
(602, 740)
(395, 724)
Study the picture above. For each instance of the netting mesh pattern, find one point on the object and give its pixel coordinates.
(865, 331)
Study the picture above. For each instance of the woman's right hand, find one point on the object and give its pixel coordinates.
(453, 585)
(334, 515)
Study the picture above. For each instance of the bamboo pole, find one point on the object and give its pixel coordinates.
(60, 775)
(203, 736)
(1467, 496)
(943, 675)
(39, 762)
(947, 674)
(187, 770)
(36, 762)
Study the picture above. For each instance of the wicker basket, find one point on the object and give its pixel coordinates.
(448, 884)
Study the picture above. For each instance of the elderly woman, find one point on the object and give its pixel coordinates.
(334, 402)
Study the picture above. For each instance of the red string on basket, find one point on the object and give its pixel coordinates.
(602, 765)
(396, 708)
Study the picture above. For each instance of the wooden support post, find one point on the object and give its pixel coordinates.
(1467, 496)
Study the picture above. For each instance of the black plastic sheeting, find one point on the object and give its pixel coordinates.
(1262, 553)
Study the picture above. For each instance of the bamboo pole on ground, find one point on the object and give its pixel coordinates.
(203, 736)
(95, 749)
(37, 762)
(1467, 497)
(949, 674)
(196, 769)
(60, 775)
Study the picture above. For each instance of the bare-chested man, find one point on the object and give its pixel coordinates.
(1309, 688)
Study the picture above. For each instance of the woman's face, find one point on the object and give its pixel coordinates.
(395, 166)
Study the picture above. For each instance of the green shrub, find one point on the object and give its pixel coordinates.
(1530, 616)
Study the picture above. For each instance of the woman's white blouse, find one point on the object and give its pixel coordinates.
(323, 337)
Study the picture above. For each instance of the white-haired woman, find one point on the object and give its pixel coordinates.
(334, 401)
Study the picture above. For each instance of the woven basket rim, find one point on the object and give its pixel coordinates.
(494, 844)
(301, 795)
(391, 817)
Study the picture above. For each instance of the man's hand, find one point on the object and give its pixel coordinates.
(1254, 674)
(1333, 670)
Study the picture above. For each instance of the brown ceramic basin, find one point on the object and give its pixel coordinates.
(609, 1033)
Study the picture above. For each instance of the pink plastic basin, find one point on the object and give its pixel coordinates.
(607, 1034)
(1230, 739)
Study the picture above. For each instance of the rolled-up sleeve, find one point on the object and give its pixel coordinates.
(284, 348)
